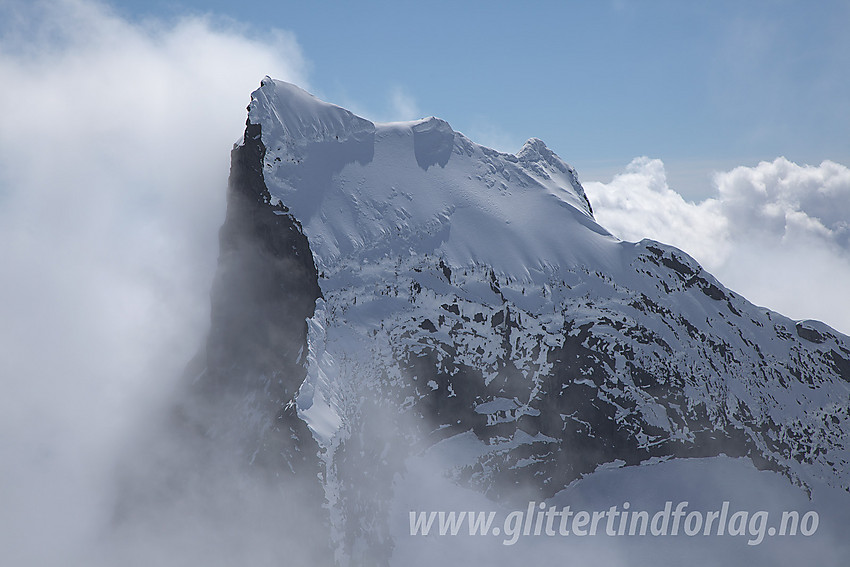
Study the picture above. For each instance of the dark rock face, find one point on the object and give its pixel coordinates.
(233, 455)
(265, 289)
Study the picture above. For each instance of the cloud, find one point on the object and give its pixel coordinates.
(779, 233)
(399, 105)
(113, 165)
(638, 204)
(403, 105)
(789, 202)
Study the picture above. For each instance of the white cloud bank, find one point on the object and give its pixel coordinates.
(778, 233)
(114, 152)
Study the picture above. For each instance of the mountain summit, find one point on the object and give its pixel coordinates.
(387, 289)
(416, 186)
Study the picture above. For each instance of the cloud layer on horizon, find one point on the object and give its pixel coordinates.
(777, 232)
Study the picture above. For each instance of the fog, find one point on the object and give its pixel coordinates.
(704, 484)
(114, 153)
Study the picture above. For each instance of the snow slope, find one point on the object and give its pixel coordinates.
(421, 188)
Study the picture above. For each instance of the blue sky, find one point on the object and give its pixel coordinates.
(701, 85)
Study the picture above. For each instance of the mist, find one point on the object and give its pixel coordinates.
(114, 156)
(703, 483)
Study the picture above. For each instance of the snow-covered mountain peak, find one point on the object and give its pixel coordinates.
(294, 117)
(393, 294)
(535, 156)
(432, 123)
(363, 190)
(536, 149)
